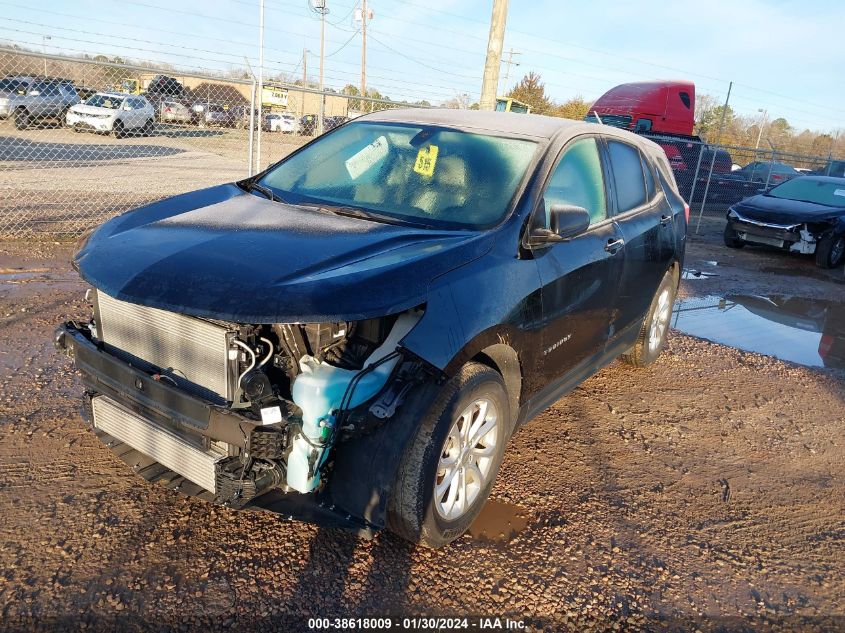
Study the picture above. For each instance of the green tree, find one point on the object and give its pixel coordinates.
(532, 90)
(709, 120)
(575, 108)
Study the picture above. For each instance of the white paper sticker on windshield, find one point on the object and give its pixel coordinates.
(373, 153)
(839, 192)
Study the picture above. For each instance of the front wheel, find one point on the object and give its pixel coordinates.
(830, 251)
(450, 464)
(118, 130)
(652, 336)
(22, 119)
(732, 240)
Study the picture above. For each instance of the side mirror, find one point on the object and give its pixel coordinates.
(126, 106)
(34, 93)
(565, 221)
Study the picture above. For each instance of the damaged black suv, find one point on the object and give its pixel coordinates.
(352, 336)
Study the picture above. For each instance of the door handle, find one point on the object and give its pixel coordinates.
(614, 246)
(665, 219)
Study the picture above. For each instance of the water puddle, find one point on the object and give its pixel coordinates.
(17, 274)
(499, 522)
(804, 331)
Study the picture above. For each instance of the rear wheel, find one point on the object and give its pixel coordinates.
(830, 251)
(118, 129)
(147, 129)
(451, 463)
(655, 327)
(22, 119)
(732, 240)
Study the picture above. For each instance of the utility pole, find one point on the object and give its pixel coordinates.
(495, 43)
(760, 132)
(319, 6)
(363, 50)
(44, 39)
(260, 78)
(508, 63)
(304, 77)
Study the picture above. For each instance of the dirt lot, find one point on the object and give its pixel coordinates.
(703, 492)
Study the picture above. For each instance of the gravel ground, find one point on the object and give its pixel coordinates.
(704, 492)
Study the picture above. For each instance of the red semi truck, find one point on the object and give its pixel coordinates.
(666, 107)
(664, 111)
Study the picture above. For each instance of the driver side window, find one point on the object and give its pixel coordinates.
(578, 180)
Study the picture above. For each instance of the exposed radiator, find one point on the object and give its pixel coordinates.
(165, 447)
(193, 352)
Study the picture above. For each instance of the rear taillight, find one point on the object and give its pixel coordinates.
(824, 345)
(167, 109)
(686, 212)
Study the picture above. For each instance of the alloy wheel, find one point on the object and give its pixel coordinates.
(659, 320)
(466, 459)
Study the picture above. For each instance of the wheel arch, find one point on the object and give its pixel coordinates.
(502, 358)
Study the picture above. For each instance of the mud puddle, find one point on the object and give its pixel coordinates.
(804, 331)
(18, 274)
(499, 522)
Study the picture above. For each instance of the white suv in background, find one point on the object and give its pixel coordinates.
(117, 113)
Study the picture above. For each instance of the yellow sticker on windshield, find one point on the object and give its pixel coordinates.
(426, 160)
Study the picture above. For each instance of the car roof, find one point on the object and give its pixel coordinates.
(535, 126)
(116, 95)
(831, 179)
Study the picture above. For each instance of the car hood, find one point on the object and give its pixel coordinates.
(89, 109)
(225, 254)
(781, 211)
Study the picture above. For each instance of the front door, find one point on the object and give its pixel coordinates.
(579, 276)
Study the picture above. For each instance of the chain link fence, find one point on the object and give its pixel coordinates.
(82, 140)
(712, 177)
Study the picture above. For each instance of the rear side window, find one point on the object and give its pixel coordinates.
(577, 180)
(627, 175)
(685, 99)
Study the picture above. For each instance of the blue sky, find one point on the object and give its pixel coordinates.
(783, 56)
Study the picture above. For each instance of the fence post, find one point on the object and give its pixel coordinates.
(695, 173)
(250, 154)
(713, 158)
(771, 166)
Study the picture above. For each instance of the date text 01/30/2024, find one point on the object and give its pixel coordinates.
(417, 624)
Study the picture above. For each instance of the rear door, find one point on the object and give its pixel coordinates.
(579, 276)
(645, 220)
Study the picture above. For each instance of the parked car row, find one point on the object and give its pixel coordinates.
(31, 100)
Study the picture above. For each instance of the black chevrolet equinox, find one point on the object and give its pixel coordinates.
(352, 336)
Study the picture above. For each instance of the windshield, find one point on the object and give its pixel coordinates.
(104, 101)
(826, 192)
(420, 174)
(614, 120)
(12, 85)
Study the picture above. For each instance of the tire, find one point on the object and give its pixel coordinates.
(415, 512)
(731, 238)
(63, 118)
(830, 251)
(118, 130)
(148, 128)
(22, 119)
(652, 336)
